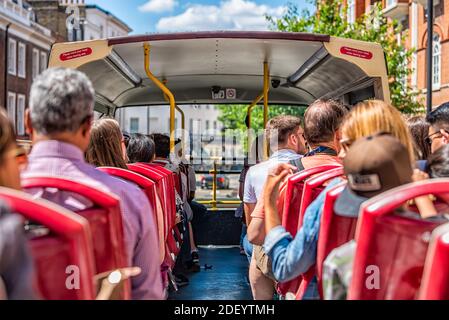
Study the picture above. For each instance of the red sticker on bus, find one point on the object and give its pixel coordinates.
(356, 53)
(75, 54)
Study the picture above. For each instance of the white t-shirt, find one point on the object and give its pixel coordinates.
(257, 175)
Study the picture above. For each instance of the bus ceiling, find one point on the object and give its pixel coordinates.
(227, 67)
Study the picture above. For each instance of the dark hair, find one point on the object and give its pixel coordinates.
(140, 148)
(105, 149)
(322, 119)
(7, 133)
(126, 137)
(162, 145)
(438, 163)
(281, 127)
(439, 118)
(419, 129)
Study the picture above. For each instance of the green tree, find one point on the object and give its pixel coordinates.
(233, 116)
(330, 18)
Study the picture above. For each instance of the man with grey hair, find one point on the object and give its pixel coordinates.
(59, 121)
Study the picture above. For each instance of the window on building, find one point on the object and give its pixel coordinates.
(22, 60)
(351, 11)
(11, 107)
(20, 115)
(207, 124)
(43, 62)
(134, 125)
(215, 125)
(12, 57)
(436, 79)
(35, 61)
(191, 125)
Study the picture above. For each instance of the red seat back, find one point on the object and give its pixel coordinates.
(166, 196)
(435, 280)
(313, 187)
(149, 188)
(291, 211)
(293, 196)
(335, 230)
(392, 246)
(67, 243)
(311, 190)
(105, 220)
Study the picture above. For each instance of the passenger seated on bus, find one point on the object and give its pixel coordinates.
(16, 265)
(284, 134)
(419, 129)
(437, 167)
(188, 186)
(185, 261)
(140, 148)
(254, 157)
(322, 122)
(59, 121)
(439, 127)
(294, 257)
(386, 166)
(106, 147)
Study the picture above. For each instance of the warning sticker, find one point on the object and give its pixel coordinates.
(356, 53)
(75, 54)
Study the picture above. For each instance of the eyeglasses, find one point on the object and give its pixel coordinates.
(428, 140)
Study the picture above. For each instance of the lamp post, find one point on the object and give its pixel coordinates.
(429, 54)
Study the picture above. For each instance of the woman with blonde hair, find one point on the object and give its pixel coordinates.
(107, 145)
(375, 116)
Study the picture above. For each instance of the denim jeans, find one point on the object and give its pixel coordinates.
(243, 234)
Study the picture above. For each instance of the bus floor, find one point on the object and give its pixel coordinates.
(227, 280)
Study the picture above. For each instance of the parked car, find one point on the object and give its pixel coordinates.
(207, 181)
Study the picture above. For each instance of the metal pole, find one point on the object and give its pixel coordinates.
(429, 54)
(266, 88)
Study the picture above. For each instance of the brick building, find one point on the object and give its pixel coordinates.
(412, 15)
(24, 47)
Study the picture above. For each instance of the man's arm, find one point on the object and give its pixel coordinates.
(256, 231)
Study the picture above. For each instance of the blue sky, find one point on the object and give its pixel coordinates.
(192, 15)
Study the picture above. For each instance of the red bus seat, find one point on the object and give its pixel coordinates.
(293, 196)
(68, 242)
(105, 220)
(435, 280)
(168, 203)
(335, 230)
(311, 190)
(173, 183)
(149, 188)
(392, 246)
(293, 190)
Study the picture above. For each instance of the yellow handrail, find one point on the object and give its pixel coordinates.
(166, 91)
(183, 116)
(248, 113)
(266, 89)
